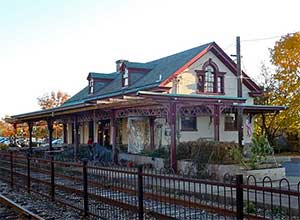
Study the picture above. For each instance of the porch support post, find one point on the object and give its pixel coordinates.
(151, 124)
(95, 127)
(114, 136)
(65, 132)
(240, 126)
(15, 125)
(172, 122)
(30, 125)
(50, 133)
(76, 137)
(216, 122)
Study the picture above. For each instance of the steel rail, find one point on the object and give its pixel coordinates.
(19, 209)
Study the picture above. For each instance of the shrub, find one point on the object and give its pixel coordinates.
(3, 146)
(206, 151)
(161, 152)
(259, 149)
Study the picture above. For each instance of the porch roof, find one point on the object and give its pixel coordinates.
(190, 97)
(262, 108)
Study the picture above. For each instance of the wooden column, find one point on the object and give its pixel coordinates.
(172, 122)
(113, 121)
(76, 137)
(216, 115)
(15, 125)
(240, 127)
(50, 133)
(151, 125)
(65, 133)
(30, 125)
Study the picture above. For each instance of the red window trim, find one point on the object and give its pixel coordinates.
(217, 74)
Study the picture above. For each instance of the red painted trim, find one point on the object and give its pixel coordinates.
(228, 62)
(151, 125)
(187, 65)
(217, 74)
(255, 94)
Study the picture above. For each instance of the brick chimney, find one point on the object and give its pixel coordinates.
(119, 63)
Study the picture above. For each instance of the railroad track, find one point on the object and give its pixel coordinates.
(10, 210)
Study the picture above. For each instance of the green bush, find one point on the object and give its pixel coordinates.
(259, 149)
(206, 151)
(161, 152)
(3, 147)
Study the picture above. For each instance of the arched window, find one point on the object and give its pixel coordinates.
(210, 79)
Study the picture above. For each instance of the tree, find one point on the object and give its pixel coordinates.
(267, 124)
(47, 101)
(286, 58)
(52, 100)
(281, 88)
(6, 129)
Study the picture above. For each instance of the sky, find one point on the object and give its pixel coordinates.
(51, 45)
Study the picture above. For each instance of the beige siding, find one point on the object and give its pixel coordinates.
(124, 131)
(86, 132)
(187, 84)
(69, 133)
(95, 131)
(233, 135)
(204, 130)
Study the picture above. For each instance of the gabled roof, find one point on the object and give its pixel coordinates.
(159, 73)
(160, 70)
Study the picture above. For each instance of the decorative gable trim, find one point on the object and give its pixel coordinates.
(228, 62)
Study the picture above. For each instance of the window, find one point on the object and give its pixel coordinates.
(230, 122)
(125, 81)
(91, 86)
(210, 79)
(188, 123)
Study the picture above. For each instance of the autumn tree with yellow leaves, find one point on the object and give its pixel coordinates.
(282, 88)
(47, 101)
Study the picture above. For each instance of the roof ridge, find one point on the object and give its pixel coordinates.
(184, 51)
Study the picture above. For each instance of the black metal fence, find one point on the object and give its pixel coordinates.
(136, 193)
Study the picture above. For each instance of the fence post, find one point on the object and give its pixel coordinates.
(11, 170)
(52, 191)
(85, 189)
(239, 198)
(28, 174)
(140, 193)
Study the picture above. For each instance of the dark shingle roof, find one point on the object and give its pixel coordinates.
(161, 69)
(102, 75)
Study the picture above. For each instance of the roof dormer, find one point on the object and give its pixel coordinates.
(99, 80)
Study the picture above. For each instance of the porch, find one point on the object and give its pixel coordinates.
(145, 120)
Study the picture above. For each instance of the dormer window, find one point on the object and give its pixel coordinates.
(91, 86)
(125, 76)
(210, 79)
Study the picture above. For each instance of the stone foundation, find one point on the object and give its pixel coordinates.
(217, 170)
